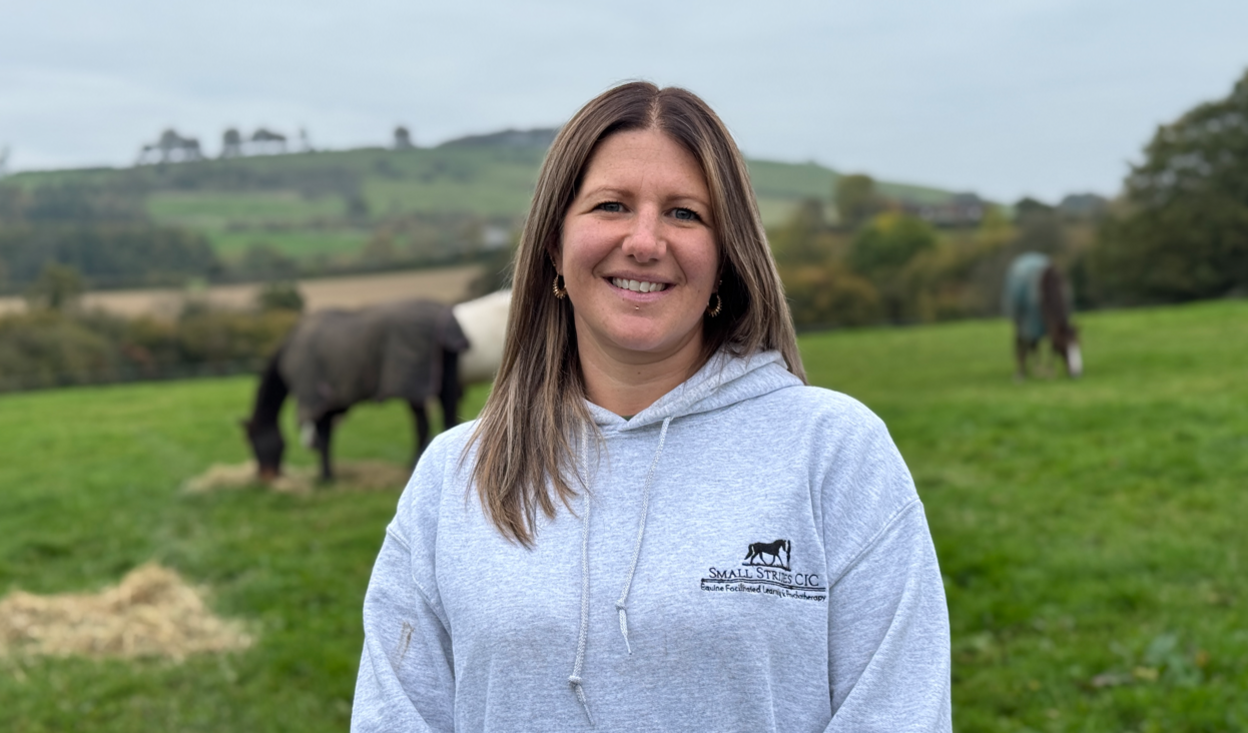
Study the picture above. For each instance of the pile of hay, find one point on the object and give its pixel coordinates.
(358, 475)
(152, 612)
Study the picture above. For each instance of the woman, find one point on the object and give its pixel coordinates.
(655, 524)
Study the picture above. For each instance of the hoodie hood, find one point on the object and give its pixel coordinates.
(724, 380)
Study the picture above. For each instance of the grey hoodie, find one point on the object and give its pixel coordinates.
(751, 555)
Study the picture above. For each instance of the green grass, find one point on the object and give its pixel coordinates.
(91, 489)
(1088, 531)
(298, 244)
(214, 210)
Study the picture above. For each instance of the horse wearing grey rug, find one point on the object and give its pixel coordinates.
(334, 359)
(1038, 301)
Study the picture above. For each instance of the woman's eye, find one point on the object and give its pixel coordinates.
(613, 207)
(686, 215)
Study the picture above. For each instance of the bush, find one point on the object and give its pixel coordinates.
(51, 348)
(830, 295)
(882, 250)
(280, 296)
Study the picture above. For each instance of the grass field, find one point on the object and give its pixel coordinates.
(1089, 532)
(298, 244)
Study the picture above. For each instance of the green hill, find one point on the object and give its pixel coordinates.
(420, 202)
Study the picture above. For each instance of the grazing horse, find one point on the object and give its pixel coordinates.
(407, 330)
(1037, 300)
(334, 359)
(773, 549)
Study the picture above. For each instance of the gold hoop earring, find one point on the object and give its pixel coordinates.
(719, 306)
(561, 290)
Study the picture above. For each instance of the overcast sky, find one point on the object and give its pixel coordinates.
(1003, 97)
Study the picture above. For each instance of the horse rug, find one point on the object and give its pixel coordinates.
(1021, 300)
(334, 359)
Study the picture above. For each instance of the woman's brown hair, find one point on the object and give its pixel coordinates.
(524, 437)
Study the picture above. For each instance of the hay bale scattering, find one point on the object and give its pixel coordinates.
(351, 475)
(152, 612)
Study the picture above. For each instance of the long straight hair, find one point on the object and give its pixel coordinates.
(525, 459)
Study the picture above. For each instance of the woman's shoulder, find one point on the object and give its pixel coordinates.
(443, 459)
(819, 404)
(453, 439)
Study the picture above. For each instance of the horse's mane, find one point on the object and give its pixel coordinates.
(1053, 298)
(271, 393)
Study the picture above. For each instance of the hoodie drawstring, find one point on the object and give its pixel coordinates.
(621, 604)
(575, 678)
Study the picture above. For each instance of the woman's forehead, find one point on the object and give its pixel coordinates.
(648, 155)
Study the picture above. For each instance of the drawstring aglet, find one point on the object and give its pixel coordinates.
(624, 626)
(575, 681)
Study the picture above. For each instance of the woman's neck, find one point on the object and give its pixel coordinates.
(628, 383)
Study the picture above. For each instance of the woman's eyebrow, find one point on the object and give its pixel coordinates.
(601, 190)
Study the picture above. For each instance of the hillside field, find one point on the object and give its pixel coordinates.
(301, 204)
(1090, 532)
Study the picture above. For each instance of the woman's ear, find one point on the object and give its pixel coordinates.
(555, 256)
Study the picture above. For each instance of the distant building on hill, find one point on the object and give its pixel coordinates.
(538, 137)
(266, 142)
(402, 138)
(1083, 205)
(170, 148)
(961, 209)
(231, 144)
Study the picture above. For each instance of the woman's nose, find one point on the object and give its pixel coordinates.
(645, 242)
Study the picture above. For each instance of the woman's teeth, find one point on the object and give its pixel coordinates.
(637, 286)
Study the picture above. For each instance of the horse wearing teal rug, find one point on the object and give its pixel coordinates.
(1038, 301)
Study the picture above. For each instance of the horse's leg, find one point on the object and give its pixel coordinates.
(324, 433)
(1020, 357)
(450, 393)
(421, 417)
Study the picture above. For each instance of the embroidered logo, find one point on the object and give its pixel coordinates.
(771, 549)
(768, 570)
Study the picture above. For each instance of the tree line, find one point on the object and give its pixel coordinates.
(102, 232)
(1178, 232)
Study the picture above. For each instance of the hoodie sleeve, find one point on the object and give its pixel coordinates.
(888, 635)
(406, 680)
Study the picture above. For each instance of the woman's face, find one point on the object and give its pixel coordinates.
(638, 253)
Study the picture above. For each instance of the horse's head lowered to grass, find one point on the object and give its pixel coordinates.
(1055, 309)
(268, 446)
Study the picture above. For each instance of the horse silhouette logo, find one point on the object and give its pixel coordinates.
(760, 551)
